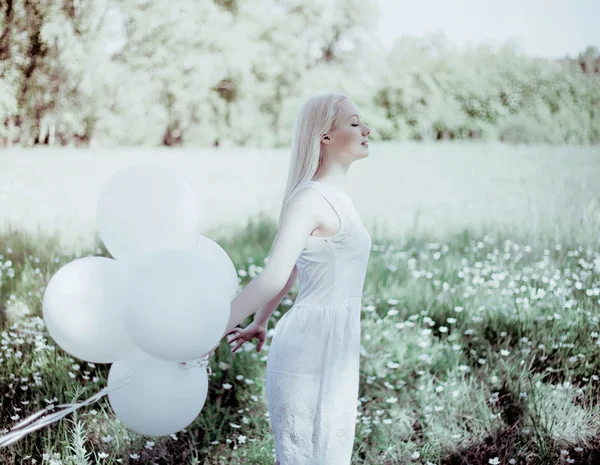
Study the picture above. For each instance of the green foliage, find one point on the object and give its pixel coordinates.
(474, 346)
(222, 73)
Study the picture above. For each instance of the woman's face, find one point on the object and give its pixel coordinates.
(351, 133)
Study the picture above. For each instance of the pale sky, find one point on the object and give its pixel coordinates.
(541, 28)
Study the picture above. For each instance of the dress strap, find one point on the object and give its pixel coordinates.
(327, 187)
(332, 197)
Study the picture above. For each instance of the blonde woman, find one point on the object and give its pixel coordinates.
(313, 361)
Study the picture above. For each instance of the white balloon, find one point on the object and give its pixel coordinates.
(177, 304)
(216, 255)
(161, 397)
(145, 207)
(83, 308)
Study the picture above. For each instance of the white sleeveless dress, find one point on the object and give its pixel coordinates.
(312, 373)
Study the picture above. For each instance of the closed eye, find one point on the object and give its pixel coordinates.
(355, 125)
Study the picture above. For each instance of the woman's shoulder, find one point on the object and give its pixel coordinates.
(306, 196)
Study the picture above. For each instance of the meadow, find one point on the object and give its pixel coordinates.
(479, 346)
(400, 188)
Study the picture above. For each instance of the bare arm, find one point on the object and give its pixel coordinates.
(262, 316)
(299, 219)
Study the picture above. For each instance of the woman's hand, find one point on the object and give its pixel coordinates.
(248, 333)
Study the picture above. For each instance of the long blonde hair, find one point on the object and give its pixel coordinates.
(317, 116)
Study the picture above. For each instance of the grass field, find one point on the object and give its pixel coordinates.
(479, 346)
(399, 188)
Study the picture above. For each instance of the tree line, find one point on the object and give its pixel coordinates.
(234, 72)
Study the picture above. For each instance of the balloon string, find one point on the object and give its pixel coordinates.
(199, 362)
(19, 431)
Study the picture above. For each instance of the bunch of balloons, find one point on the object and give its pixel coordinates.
(164, 298)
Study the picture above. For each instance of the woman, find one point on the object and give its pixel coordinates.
(313, 361)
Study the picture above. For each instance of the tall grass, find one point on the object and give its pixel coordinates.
(477, 347)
